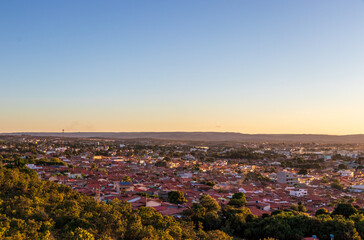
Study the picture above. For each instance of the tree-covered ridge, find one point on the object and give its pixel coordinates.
(35, 209)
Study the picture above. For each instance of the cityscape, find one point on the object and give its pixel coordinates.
(181, 120)
(173, 177)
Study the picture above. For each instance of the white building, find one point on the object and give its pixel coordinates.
(74, 175)
(298, 192)
(357, 188)
(185, 175)
(346, 173)
(153, 203)
(33, 166)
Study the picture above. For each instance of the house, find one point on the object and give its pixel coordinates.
(132, 199)
(123, 186)
(346, 173)
(357, 188)
(74, 175)
(184, 175)
(298, 192)
(34, 167)
(153, 203)
(259, 205)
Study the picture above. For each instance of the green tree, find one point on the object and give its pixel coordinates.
(342, 166)
(176, 197)
(325, 179)
(126, 179)
(35, 209)
(93, 166)
(217, 234)
(342, 228)
(211, 221)
(196, 213)
(359, 225)
(19, 162)
(336, 184)
(303, 171)
(209, 203)
(299, 207)
(321, 211)
(345, 209)
(238, 200)
(82, 234)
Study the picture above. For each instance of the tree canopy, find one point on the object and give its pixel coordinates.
(35, 209)
(176, 197)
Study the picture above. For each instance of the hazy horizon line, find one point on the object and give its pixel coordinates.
(68, 132)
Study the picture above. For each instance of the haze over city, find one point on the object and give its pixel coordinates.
(242, 66)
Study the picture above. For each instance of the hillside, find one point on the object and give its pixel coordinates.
(35, 209)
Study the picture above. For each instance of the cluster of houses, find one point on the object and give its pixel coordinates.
(141, 183)
(268, 184)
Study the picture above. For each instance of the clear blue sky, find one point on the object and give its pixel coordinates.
(267, 66)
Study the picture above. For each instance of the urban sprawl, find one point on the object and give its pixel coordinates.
(172, 176)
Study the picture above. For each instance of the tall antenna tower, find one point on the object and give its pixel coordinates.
(62, 138)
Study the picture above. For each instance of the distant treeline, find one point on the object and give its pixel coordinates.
(247, 154)
(21, 162)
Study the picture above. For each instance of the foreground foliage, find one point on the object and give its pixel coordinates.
(346, 222)
(35, 209)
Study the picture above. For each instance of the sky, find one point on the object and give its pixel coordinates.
(244, 66)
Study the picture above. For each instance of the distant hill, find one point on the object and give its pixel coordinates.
(208, 136)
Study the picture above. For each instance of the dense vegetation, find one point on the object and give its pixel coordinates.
(35, 209)
(345, 222)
